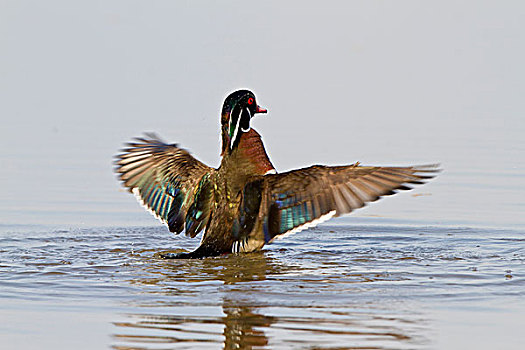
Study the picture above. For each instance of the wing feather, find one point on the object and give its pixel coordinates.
(168, 181)
(302, 198)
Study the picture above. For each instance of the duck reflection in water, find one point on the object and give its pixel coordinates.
(257, 300)
(242, 325)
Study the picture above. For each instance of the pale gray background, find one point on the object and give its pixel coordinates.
(382, 82)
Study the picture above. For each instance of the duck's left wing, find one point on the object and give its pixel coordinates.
(174, 186)
(292, 201)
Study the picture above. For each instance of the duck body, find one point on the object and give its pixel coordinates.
(245, 203)
(228, 216)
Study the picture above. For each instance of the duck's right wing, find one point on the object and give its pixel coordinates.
(292, 201)
(174, 186)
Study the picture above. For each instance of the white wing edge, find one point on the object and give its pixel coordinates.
(137, 195)
(305, 226)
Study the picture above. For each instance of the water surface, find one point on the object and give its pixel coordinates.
(337, 286)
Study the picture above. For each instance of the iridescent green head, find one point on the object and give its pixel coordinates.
(238, 109)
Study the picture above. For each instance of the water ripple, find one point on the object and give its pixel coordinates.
(332, 287)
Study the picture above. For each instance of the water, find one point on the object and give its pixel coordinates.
(336, 286)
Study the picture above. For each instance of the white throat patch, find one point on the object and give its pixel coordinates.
(237, 126)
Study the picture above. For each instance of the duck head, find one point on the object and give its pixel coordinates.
(238, 109)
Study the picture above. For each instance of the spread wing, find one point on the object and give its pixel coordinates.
(168, 181)
(292, 201)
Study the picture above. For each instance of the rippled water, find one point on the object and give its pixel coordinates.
(334, 287)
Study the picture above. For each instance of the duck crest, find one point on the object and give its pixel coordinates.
(237, 111)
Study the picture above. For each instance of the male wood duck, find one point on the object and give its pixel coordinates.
(245, 203)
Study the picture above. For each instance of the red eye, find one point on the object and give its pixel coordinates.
(250, 101)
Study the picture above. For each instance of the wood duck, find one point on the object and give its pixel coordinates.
(245, 203)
